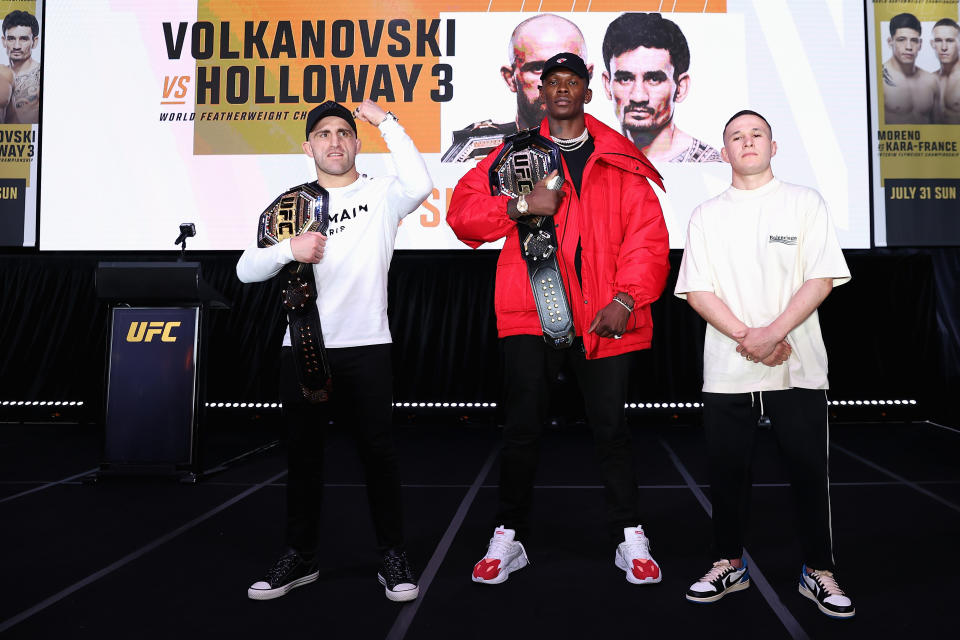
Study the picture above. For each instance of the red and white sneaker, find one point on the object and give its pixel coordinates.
(633, 557)
(504, 556)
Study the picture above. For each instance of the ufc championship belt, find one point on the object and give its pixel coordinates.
(477, 140)
(524, 160)
(296, 211)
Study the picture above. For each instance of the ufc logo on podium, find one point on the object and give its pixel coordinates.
(146, 331)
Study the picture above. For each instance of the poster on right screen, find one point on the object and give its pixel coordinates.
(915, 101)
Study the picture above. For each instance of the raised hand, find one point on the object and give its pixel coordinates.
(369, 111)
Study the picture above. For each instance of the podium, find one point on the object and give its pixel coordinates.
(155, 387)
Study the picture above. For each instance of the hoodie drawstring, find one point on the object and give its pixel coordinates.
(764, 421)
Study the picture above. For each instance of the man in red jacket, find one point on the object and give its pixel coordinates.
(612, 254)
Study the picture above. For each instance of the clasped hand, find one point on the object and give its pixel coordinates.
(761, 345)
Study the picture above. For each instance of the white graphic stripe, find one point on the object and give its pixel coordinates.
(835, 7)
(807, 105)
(833, 560)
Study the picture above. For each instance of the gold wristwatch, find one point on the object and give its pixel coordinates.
(522, 205)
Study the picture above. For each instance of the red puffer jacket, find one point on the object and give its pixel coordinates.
(618, 221)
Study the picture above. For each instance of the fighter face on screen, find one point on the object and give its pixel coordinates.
(533, 42)
(647, 61)
(21, 33)
(944, 42)
(643, 87)
(748, 144)
(904, 39)
(911, 95)
(333, 145)
(946, 36)
(19, 43)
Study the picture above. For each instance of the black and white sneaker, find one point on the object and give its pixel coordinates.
(722, 579)
(289, 572)
(822, 588)
(397, 577)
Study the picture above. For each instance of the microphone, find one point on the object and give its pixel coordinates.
(187, 230)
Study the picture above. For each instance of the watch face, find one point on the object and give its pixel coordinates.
(522, 204)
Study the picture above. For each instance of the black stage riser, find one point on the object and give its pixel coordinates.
(890, 333)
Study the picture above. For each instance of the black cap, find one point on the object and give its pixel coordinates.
(329, 108)
(565, 60)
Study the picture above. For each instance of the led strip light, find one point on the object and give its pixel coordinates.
(41, 403)
(493, 405)
(454, 405)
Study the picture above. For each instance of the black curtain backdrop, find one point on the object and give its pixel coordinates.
(892, 333)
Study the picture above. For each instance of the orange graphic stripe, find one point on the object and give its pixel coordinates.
(616, 6)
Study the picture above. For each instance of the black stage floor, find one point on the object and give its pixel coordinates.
(136, 559)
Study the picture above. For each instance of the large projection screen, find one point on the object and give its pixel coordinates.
(197, 117)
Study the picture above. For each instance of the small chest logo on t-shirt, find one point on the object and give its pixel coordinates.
(340, 221)
(787, 240)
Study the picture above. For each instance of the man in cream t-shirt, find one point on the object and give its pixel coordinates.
(759, 259)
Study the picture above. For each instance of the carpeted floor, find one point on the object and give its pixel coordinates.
(159, 559)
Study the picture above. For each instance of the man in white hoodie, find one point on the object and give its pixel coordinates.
(350, 265)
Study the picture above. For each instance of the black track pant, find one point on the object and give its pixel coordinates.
(799, 422)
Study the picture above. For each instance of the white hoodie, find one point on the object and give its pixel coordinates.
(352, 275)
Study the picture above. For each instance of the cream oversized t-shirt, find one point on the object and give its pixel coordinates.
(754, 249)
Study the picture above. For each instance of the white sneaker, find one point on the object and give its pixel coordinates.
(633, 557)
(722, 579)
(504, 555)
(822, 588)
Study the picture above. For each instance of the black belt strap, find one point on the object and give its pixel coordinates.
(539, 248)
(295, 211)
(525, 159)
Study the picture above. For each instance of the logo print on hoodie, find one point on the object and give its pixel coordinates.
(337, 220)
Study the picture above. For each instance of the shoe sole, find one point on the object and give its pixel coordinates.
(270, 594)
(519, 563)
(740, 586)
(621, 564)
(398, 596)
(806, 593)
